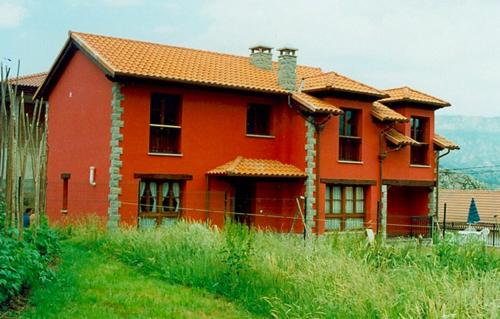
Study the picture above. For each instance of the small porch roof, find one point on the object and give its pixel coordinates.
(441, 142)
(398, 138)
(247, 167)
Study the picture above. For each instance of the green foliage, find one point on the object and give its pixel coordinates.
(44, 239)
(26, 262)
(339, 276)
(237, 248)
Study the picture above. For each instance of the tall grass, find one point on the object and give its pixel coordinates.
(332, 276)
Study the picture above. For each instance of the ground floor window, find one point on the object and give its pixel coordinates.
(159, 201)
(344, 207)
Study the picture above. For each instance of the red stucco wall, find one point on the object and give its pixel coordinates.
(79, 122)
(213, 132)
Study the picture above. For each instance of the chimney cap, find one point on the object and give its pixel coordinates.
(287, 50)
(261, 48)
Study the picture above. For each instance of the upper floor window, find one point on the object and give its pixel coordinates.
(419, 152)
(259, 119)
(349, 136)
(344, 207)
(165, 124)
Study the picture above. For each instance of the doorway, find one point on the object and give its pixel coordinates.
(244, 202)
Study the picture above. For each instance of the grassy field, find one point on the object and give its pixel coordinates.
(130, 273)
(92, 285)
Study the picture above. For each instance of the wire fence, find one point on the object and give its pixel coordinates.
(284, 214)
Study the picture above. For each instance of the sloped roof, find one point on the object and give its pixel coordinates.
(31, 80)
(241, 166)
(442, 142)
(337, 82)
(458, 202)
(411, 95)
(164, 62)
(314, 104)
(398, 138)
(384, 113)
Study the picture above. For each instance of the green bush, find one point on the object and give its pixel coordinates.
(25, 262)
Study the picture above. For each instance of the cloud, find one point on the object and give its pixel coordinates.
(107, 3)
(446, 48)
(164, 30)
(122, 3)
(11, 14)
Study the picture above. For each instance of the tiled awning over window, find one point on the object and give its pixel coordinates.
(314, 104)
(399, 138)
(384, 113)
(442, 142)
(257, 168)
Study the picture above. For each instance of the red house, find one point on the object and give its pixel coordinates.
(144, 133)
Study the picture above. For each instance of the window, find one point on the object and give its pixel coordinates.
(349, 137)
(259, 119)
(165, 124)
(65, 177)
(418, 133)
(159, 201)
(344, 207)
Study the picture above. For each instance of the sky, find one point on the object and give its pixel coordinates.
(447, 48)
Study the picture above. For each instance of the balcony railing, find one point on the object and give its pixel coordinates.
(349, 148)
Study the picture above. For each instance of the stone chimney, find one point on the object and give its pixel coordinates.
(261, 57)
(287, 65)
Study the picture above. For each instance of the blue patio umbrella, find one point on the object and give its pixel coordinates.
(473, 217)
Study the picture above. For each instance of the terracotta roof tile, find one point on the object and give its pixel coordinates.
(399, 138)
(32, 80)
(314, 104)
(384, 113)
(338, 82)
(157, 61)
(257, 168)
(442, 142)
(412, 95)
(458, 202)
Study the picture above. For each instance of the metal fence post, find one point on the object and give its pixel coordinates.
(444, 221)
(430, 226)
(494, 233)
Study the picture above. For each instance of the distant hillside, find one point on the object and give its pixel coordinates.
(479, 139)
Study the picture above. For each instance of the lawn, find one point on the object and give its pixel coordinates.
(90, 284)
(192, 271)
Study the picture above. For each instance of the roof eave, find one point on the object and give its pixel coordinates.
(405, 99)
(72, 43)
(123, 75)
(258, 175)
(329, 88)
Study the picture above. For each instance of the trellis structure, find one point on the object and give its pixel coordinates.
(23, 153)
